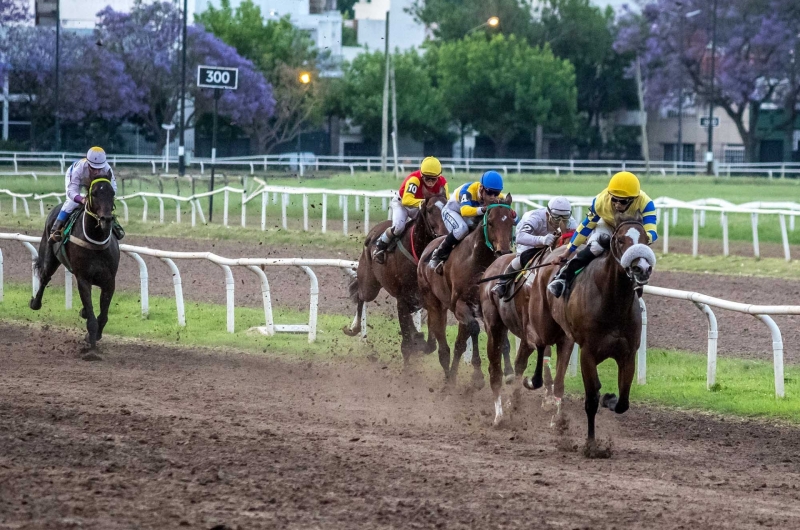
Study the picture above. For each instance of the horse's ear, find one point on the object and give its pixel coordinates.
(507, 199)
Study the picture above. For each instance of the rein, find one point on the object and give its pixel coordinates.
(486, 223)
(87, 210)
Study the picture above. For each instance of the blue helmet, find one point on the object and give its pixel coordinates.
(493, 181)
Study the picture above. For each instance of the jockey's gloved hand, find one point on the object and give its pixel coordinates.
(549, 239)
(480, 210)
(79, 199)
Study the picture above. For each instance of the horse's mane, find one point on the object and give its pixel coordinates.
(624, 217)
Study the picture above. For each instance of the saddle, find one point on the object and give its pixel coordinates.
(522, 276)
(59, 247)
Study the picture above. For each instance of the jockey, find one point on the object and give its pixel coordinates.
(537, 229)
(463, 211)
(623, 195)
(407, 203)
(81, 174)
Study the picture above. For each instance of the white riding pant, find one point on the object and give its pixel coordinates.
(69, 206)
(456, 225)
(601, 228)
(401, 215)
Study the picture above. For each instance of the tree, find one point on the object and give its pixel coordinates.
(421, 113)
(146, 40)
(580, 32)
(13, 11)
(502, 87)
(453, 19)
(95, 85)
(755, 40)
(281, 52)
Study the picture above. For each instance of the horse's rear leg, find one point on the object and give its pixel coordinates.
(47, 267)
(105, 302)
(85, 291)
(437, 325)
(355, 327)
(564, 349)
(508, 366)
(408, 344)
(591, 384)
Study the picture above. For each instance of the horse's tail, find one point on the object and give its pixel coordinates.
(352, 289)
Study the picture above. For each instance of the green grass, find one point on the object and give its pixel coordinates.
(675, 379)
(731, 265)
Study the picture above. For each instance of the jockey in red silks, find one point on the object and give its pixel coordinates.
(81, 174)
(407, 203)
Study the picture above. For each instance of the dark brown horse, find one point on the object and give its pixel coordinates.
(93, 253)
(519, 316)
(399, 274)
(457, 288)
(601, 313)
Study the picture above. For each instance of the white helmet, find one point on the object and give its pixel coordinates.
(559, 206)
(96, 157)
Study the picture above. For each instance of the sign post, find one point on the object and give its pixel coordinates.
(704, 122)
(219, 78)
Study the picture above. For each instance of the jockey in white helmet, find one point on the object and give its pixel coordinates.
(537, 229)
(81, 174)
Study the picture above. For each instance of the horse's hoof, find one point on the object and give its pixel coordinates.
(609, 401)
(533, 383)
(33, 304)
(346, 329)
(478, 381)
(509, 379)
(592, 450)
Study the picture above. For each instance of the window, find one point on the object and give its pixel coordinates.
(670, 152)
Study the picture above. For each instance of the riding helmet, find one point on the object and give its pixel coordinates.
(492, 181)
(431, 166)
(624, 184)
(96, 157)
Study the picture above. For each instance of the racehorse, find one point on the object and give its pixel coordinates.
(398, 275)
(457, 289)
(600, 312)
(92, 252)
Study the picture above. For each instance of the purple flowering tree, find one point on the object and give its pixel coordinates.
(14, 11)
(147, 41)
(94, 85)
(756, 41)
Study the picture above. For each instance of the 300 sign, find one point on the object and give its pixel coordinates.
(217, 77)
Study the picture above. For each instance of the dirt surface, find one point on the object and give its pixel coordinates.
(673, 324)
(156, 437)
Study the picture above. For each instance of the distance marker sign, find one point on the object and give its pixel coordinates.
(217, 77)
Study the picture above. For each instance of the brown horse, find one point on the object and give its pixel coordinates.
(601, 313)
(457, 288)
(399, 274)
(520, 315)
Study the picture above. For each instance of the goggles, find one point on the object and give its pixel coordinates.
(623, 201)
(492, 193)
(430, 179)
(558, 217)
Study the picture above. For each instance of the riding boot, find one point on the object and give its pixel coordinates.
(57, 231)
(565, 276)
(501, 288)
(119, 232)
(442, 252)
(383, 242)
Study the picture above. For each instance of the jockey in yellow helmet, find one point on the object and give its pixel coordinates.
(623, 195)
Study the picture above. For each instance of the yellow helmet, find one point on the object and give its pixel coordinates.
(431, 166)
(624, 184)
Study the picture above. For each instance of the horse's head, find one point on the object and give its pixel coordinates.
(100, 202)
(498, 223)
(629, 247)
(432, 215)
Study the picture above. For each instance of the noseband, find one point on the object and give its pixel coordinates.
(486, 223)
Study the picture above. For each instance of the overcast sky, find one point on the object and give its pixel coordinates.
(616, 4)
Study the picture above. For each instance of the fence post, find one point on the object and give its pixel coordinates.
(324, 213)
(284, 200)
(777, 352)
(754, 223)
(366, 215)
(144, 289)
(305, 212)
(695, 222)
(34, 276)
(785, 238)
(225, 207)
(244, 208)
(665, 222)
(265, 297)
(176, 281)
(313, 302)
(344, 214)
(229, 297)
(264, 201)
(725, 247)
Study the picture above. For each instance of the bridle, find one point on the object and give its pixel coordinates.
(426, 223)
(87, 210)
(485, 222)
(617, 258)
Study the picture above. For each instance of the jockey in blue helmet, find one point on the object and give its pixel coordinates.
(464, 210)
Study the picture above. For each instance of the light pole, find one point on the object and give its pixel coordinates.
(492, 22)
(181, 148)
(682, 47)
(168, 128)
(304, 78)
(58, 67)
(710, 151)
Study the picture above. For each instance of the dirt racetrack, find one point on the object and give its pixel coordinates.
(156, 437)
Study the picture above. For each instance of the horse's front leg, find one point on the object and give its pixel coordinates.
(105, 302)
(85, 292)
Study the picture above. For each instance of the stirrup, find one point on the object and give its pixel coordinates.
(57, 236)
(379, 256)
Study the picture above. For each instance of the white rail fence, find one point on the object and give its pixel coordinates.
(785, 213)
(703, 302)
(169, 258)
(305, 162)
